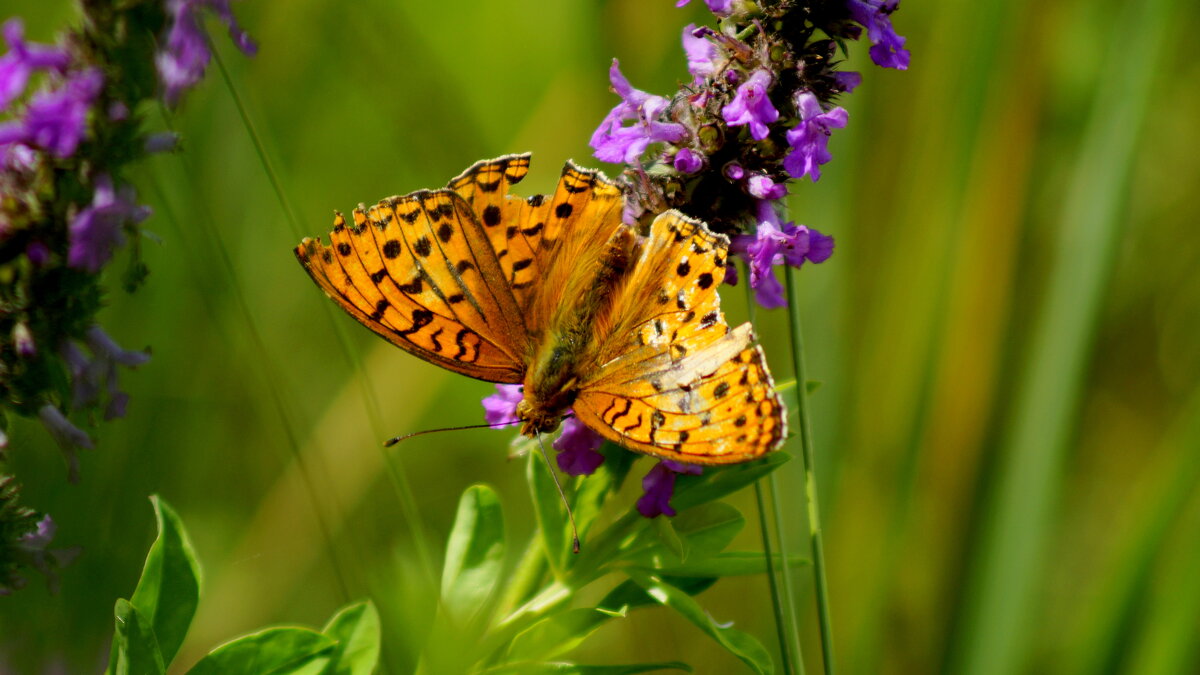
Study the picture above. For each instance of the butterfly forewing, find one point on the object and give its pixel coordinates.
(419, 271)
(673, 379)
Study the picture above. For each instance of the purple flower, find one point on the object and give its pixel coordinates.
(69, 437)
(701, 55)
(659, 485)
(733, 171)
(97, 229)
(752, 106)
(777, 243)
(163, 141)
(718, 7)
(90, 376)
(182, 61)
(32, 550)
(577, 448)
(763, 187)
(847, 80)
(618, 144)
(56, 120)
(23, 339)
(810, 138)
(22, 59)
(500, 409)
(887, 48)
(687, 161)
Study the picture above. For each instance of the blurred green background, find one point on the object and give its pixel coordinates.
(1008, 429)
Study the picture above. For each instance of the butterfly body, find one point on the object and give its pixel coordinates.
(556, 293)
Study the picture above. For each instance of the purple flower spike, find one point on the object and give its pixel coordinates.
(500, 409)
(810, 138)
(887, 48)
(22, 59)
(182, 62)
(620, 144)
(752, 106)
(659, 485)
(577, 448)
(687, 161)
(99, 228)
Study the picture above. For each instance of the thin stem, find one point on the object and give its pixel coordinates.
(396, 472)
(810, 478)
(782, 627)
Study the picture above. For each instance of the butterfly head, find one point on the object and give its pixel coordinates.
(537, 419)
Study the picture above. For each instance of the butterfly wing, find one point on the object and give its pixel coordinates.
(543, 241)
(420, 271)
(672, 379)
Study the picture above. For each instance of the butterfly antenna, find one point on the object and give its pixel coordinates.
(392, 441)
(554, 475)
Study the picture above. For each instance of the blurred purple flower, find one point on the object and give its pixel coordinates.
(776, 243)
(887, 48)
(619, 144)
(69, 437)
(500, 409)
(810, 138)
(32, 550)
(718, 7)
(184, 58)
(23, 339)
(99, 228)
(687, 161)
(163, 141)
(847, 80)
(56, 120)
(577, 448)
(752, 106)
(659, 485)
(89, 377)
(22, 59)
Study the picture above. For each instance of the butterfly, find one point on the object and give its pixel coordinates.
(556, 293)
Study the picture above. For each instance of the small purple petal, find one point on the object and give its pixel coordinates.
(887, 48)
(687, 161)
(99, 228)
(763, 187)
(104, 347)
(22, 59)
(23, 339)
(69, 437)
(185, 56)
(577, 448)
(659, 486)
(718, 7)
(38, 253)
(752, 106)
(701, 55)
(618, 144)
(810, 138)
(733, 171)
(500, 409)
(847, 80)
(163, 141)
(56, 120)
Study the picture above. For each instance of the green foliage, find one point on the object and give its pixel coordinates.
(151, 626)
(643, 562)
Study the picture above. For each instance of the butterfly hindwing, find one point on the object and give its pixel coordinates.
(418, 270)
(673, 379)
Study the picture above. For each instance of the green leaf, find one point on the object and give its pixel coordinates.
(714, 484)
(273, 651)
(702, 532)
(742, 645)
(577, 669)
(669, 538)
(135, 648)
(474, 554)
(593, 490)
(169, 590)
(356, 629)
(629, 595)
(729, 564)
(553, 525)
(556, 634)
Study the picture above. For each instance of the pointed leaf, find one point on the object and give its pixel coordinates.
(273, 651)
(356, 629)
(556, 635)
(135, 648)
(670, 539)
(169, 590)
(577, 669)
(702, 532)
(474, 554)
(741, 645)
(716, 483)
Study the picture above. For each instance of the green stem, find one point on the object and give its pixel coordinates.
(810, 478)
(783, 628)
(396, 472)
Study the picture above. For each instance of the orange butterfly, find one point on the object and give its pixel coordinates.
(556, 293)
